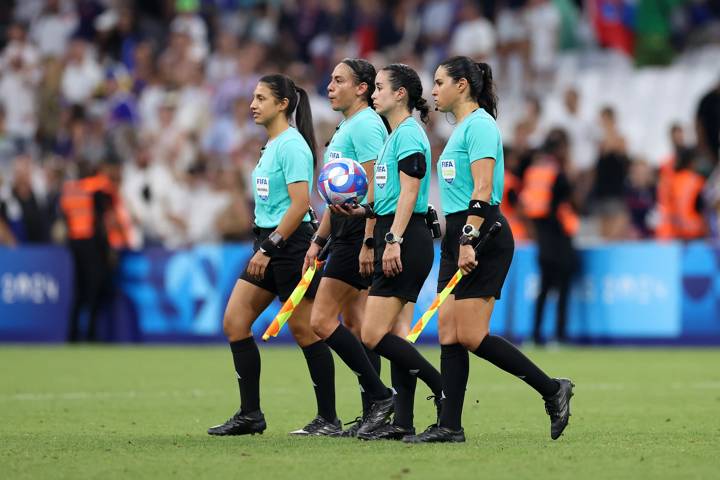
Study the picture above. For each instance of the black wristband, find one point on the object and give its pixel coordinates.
(481, 208)
(321, 241)
(272, 244)
(369, 212)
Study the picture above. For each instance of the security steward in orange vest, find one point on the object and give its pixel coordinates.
(545, 199)
(684, 201)
(97, 224)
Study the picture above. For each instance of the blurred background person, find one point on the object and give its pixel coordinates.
(546, 198)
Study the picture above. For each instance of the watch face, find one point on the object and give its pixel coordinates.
(468, 229)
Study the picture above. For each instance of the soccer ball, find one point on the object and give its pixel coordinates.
(342, 180)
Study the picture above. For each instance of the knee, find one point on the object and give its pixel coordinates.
(370, 337)
(472, 339)
(235, 329)
(321, 324)
(303, 334)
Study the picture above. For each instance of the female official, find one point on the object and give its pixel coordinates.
(403, 243)
(347, 274)
(471, 181)
(282, 180)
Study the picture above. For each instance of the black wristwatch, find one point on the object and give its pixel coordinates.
(391, 238)
(369, 242)
(321, 241)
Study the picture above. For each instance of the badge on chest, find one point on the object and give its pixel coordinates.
(380, 175)
(262, 187)
(447, 170)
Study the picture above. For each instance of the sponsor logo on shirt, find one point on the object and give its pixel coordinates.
(334, 155)
(262, 187)
(380, 175)
(447, 169)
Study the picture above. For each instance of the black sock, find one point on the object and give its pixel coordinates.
(246, 358)
(454, 368)
(322, 372)
(506, 356)
(404, 384)
(350, 350)
(400, 351)
(376, 363)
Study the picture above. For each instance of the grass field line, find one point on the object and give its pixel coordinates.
(29, 396)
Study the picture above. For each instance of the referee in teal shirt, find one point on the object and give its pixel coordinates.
(282, 181)
(470, 171)
(403, 242)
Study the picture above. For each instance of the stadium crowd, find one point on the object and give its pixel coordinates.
(156, 95)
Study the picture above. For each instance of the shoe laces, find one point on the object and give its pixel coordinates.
(356, 421)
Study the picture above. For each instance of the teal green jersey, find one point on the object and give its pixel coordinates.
(475, 138)
(358, 138)
(408, 138)
(286, 159)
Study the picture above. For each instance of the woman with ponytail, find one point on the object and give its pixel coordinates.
(282, 181)
(403, 246)
(347, 273)
(470, 171)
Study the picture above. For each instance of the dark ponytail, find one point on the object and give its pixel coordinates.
(298, 102)
(479, 77)
(403, 76)
(364, 72)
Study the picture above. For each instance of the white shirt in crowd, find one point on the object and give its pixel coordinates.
(543, 23)
(475, 39)
(80, 80)
(51, 32)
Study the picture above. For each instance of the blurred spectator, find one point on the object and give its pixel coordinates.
(7, 147)
(707, 124)
(95, 226)
(475, 35)
(512, 46)
(82, 74)
(20, 76)
(664, 227)
(608, 189)
(118, 36)
(52, 29)
(640, 198)
(686, 200)
(24, 209)
(228, 134)
(534, 127)
(222, 63)
(236, 221)
(543, 24)
(154, 199)
(512, 186)
(189, 22)
(545, 199)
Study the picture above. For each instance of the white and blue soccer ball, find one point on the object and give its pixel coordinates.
(342, 180)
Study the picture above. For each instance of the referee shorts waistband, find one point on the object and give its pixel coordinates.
(260, 230)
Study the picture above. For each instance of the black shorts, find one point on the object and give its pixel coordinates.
(416, 254)
(494, 259)
(344, 264)
(285, 268)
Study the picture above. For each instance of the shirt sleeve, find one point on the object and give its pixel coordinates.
(409, 141)
(295, 161)
(368, 141)
(482, 139)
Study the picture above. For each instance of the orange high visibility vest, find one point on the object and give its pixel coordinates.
(512, 183)
(685, 188)
(77, 204)
(536, 196)
(664, 229)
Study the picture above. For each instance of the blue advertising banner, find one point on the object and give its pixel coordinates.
(632, 292)
(629, 290)
(35, 293)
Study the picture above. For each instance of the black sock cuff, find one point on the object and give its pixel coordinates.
(480, 350)
(450, 351)
(336, 337)
(387, 342)
(243, 345)
(316, 349)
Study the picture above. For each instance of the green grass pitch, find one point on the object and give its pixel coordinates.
(142, 412)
